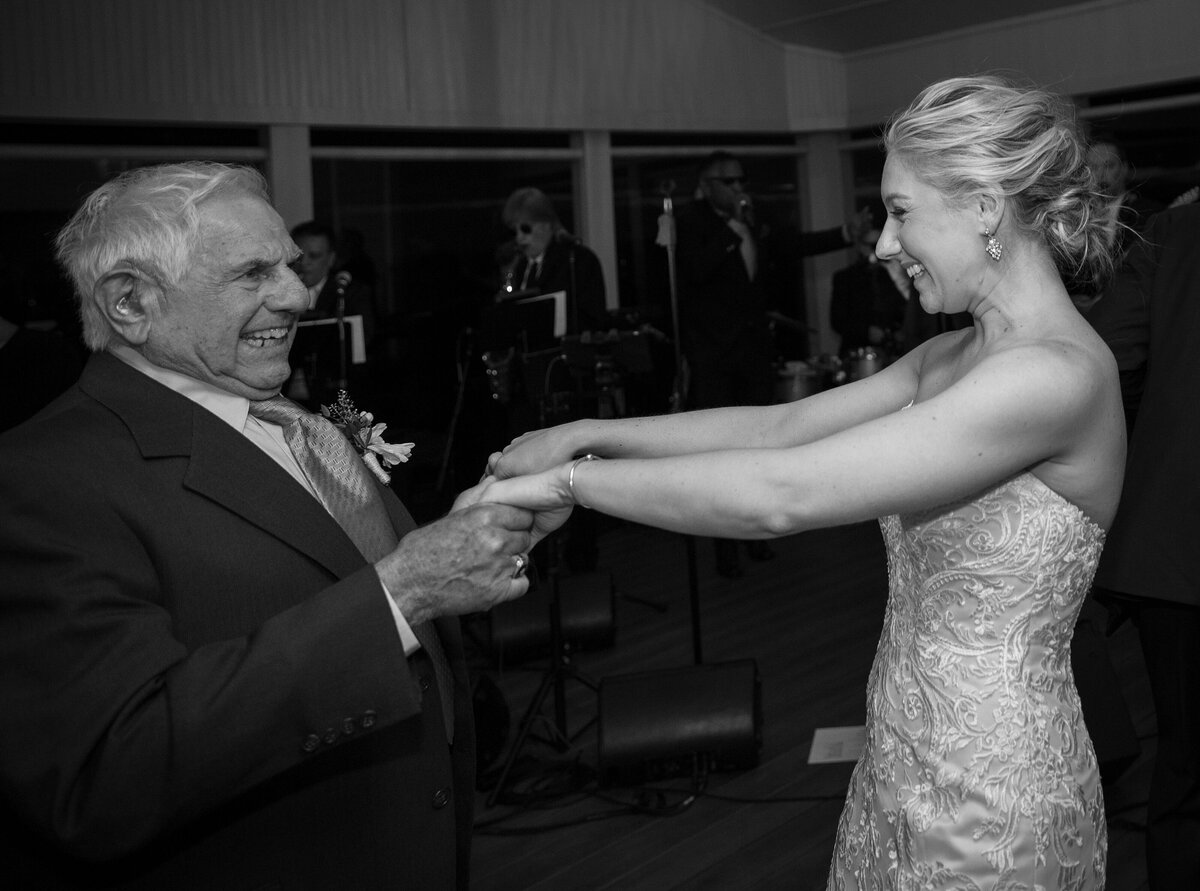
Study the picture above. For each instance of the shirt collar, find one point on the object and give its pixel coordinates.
(230, 408)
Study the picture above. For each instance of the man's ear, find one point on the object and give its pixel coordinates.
(126, 298)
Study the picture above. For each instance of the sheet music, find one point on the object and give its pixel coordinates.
(358, 342)
(560, 309)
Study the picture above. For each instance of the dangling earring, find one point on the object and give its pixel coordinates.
(994, 247)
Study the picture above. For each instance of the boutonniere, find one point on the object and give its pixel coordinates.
(367, 437)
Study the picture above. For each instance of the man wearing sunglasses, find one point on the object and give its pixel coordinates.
(548, 258)
(724, 301)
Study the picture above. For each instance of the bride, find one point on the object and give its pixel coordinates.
(994, 456)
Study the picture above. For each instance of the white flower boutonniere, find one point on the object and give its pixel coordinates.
(367, 437)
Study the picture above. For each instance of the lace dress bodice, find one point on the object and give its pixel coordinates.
(978, 772)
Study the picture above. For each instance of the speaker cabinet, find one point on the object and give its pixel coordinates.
(654, 725)
(519, 629)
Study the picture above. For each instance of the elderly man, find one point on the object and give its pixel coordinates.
(230, 659)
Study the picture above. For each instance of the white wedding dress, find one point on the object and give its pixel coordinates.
(978, 772)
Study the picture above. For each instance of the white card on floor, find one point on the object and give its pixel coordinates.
(837, 744)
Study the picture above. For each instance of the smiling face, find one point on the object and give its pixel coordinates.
(938, 244)
(231, 320)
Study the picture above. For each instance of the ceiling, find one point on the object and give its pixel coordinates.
(847, 26)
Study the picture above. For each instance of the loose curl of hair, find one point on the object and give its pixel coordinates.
(147, 220)
(967, 136)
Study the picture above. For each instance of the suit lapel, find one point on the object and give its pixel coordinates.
(222, 464)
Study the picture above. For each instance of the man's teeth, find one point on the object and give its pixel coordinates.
(914, 270)
(262, 338)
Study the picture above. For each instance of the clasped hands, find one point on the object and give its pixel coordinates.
(532, 472)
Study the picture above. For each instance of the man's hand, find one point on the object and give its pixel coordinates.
(460, 564)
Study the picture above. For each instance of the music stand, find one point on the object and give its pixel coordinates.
(319, 349)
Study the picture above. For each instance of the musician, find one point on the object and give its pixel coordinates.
(548, 258)
(320, 365)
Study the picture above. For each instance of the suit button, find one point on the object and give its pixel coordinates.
(441, 798)
(348, 726)
(424, 682)
(368, 720)
(310, 744)
(331, 736)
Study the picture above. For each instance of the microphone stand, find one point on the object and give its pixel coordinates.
(343, 281)
(667, 238)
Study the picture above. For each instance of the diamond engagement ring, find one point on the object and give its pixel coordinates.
(522, 562)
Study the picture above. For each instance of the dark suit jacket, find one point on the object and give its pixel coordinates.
(723, 313)
(1150, 319)
(205, 683)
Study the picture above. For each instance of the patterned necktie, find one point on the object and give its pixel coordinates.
(345, 488)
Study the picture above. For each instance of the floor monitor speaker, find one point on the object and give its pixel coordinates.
(520, 629)
(654, 725)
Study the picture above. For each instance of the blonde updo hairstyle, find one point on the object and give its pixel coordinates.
(967, 136)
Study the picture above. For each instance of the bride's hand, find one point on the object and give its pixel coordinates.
(473, 495)
(534, 452)
(547, 494)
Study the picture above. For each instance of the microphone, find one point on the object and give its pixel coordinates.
(562, 235)
(746, 211)
(342, 280)
(666, 187)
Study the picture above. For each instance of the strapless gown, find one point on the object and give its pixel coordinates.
(978, 772)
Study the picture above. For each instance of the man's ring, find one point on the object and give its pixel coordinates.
(522, 563)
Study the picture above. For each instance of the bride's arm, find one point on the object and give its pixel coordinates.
(1011, 413)
(717, 429)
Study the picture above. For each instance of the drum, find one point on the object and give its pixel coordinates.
(864, 362)
(796, 381)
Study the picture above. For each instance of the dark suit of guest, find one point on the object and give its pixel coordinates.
(1150, 319)
(210, 683)
(723, 311)
(865, 297)
(726, 332)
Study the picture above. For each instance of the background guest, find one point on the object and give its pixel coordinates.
(543, 257)
(869, 300)
(1151, 567)
(319, 358)
(723, 301)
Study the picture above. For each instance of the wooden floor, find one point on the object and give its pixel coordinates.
(810, 619)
